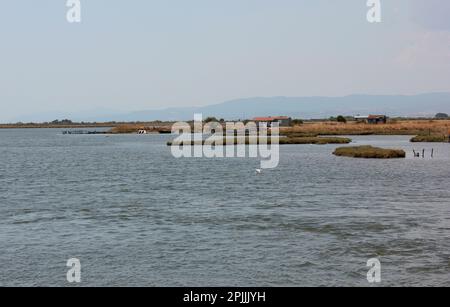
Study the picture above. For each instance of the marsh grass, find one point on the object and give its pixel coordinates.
(399, 127)
(429, 139)
(133, 128)
(369, 152)
(314, 140)
(248, 141)
(325, 128)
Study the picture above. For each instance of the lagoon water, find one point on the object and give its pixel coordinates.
(136, 216)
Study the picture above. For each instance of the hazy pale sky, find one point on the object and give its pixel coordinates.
(146, 54)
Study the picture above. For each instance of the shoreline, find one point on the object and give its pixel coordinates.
(422, 130)
(50, 126)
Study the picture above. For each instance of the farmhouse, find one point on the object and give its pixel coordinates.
(372, 119)
(283, 121)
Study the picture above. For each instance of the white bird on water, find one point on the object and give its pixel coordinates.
(258, 171)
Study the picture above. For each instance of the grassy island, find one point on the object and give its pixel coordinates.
(429, 139)
(314, 140)
(282, 141)
(369, 152)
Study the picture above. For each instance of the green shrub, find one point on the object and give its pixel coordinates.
(296, 122)
(341, 119)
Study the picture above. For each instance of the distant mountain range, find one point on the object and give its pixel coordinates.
(424, 105)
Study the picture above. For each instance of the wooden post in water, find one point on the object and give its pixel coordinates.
(432, 152)
(423, 153)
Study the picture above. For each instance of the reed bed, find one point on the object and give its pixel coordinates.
(132, 128)
(369, 152)
(430, 139)
(401, 127)
(250, 141)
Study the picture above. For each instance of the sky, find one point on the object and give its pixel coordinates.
(148, 54)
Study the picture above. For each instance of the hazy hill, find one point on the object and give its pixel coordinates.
(307, 107)
(425, 105)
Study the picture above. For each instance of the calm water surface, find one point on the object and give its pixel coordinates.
(136, 216)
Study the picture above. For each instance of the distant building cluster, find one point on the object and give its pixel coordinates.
(283, 121)
(372, 119)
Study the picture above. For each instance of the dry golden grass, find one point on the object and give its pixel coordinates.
(314, 140)
(281, 141)
(401, 127)
(434, 138)
(369, 152)
(134, 128)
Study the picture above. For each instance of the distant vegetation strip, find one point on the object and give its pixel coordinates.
(56, 126)
(393, 127)
(148, 127)
(311, 128)
(248, 141)
(117, 127)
